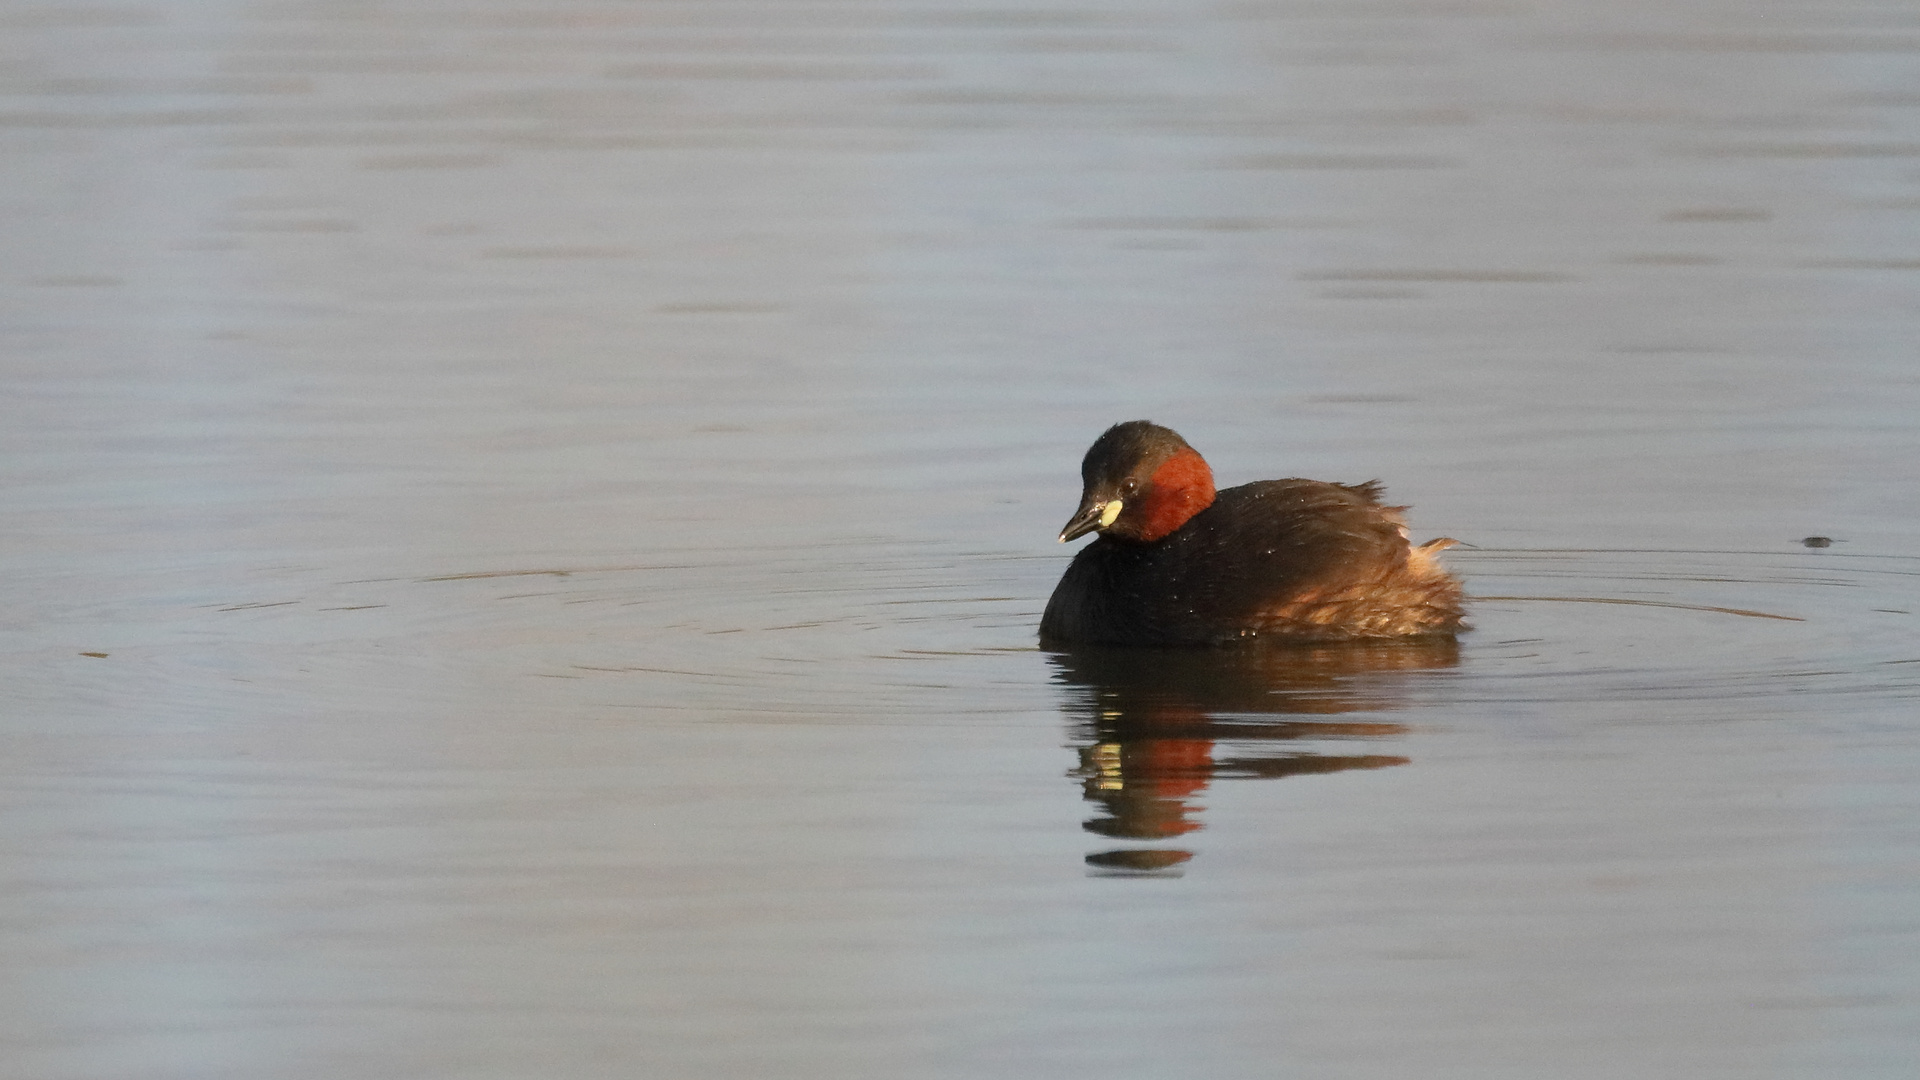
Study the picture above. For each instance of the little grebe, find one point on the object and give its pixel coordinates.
(1178, 564)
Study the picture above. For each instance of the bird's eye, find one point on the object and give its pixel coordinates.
(1128, 487)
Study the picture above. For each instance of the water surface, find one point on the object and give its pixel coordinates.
(524, 528)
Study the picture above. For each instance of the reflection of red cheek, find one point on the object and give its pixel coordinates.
(1174, 768)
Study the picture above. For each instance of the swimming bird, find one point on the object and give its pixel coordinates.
(1178, 563)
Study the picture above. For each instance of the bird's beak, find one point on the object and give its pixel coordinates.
(1092, 515)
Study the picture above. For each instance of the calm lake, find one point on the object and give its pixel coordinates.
(523, 525)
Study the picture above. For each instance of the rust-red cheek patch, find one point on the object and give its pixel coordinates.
(1182, 487)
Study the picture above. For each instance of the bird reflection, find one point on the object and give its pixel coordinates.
(1154, 726)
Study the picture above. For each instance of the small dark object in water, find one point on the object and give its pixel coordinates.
(1818, 541)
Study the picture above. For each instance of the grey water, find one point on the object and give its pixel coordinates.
(522, 529)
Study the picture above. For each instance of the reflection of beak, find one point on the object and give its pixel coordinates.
(1093, 515)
